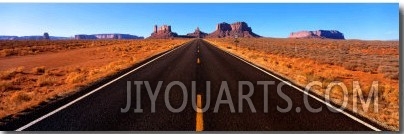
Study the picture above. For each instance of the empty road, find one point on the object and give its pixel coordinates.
(193, 64)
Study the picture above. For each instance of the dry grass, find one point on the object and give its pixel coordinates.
(75, 77)
(5, 85)
(46, 80)
(69, 64)
(306, 60)
(6, 75)
(39, 70)
(20, 97)
(34, 47)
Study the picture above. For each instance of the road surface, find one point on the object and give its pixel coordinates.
(195, 61)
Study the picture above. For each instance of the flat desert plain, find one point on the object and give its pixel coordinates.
(36, 71)
(325, 60)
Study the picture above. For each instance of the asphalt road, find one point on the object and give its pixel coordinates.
(200, 62)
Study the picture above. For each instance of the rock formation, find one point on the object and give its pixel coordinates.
(197, 34)
(5, 37)
(163, 32)
(34, 37)
(322, 34)
(84, 36)
(46, 36)
(239, 29)
(107, 36)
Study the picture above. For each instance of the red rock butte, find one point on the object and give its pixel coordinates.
(197, 34)
(163, 32)
(223, 30)
(239, 29)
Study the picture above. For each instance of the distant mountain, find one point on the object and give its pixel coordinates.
(80, 36)
(45, 36)
(107, 36)
(327, 34)
(59, 38)
(6, 37)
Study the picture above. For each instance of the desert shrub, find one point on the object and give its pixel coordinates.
(389, 93)
(24, 52)
(386, 69)
(372, 67)
(20, 80)
(254, 56)
(39, 70)
(365, 69)
(390, 72)
(45, 80)
(392, 75)
(93, 73)
(8, 74)
(75, 77)
(327, 79)
(20, 96)
(6, 52)
(4, 86)
(309, 76)
(350, 66)
(116, 66)
(19, 69)
(289, 65)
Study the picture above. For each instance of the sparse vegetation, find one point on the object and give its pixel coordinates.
(39, 70)
(7, 74)
(20, 69)
(26, 81)
(75, 77)
(45, 80)
(306, 60)
(5, 85)
(20, 97)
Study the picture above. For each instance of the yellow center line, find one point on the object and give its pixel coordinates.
(199, 113)
(199, 101)
(198, 61)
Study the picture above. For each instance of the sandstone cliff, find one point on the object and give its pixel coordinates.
(239, 29)
(107, 36)
(163, 32)
(323, 34)
(197, 34)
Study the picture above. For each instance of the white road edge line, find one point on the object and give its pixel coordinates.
(89, 93)
(301, 90)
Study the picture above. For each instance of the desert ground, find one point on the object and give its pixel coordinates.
(50, 69)
(32, 72)
(305, 60)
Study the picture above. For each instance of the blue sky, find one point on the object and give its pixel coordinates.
(356, 21)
